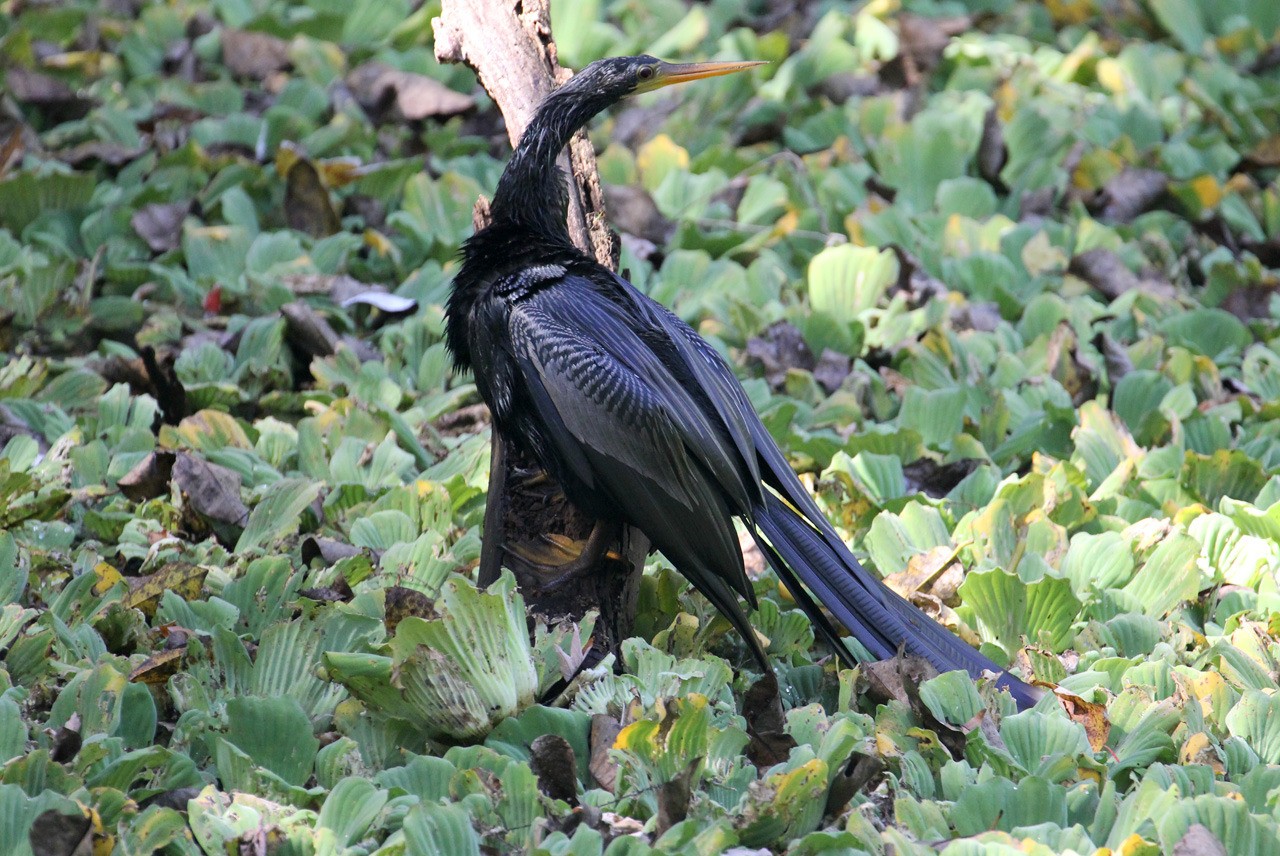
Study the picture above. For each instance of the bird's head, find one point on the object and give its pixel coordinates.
(618, 77)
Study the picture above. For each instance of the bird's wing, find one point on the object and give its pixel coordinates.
(646, 442)
(618, 335)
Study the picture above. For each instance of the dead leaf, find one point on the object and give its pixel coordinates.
(10, 147)
(254, 55)
(922, 41)
(982, 317)
(769, 741)
(169, 392)
(1092, 716)
(674, 797)
(992, 152)
(307, 206)
(210, 490)
(1131, 192)
(48, 93)
(921, 568)
(65, 743)
(149, 478)
(1252, 300)
(401, 603)
(860, 772)
(1065, 365)
(898, 678)
(552, 760)
(1105, 271)
(328, 550)
(174, 798)
(380, 89)
(632, 211)
(308, 332)
(832, 368)
(1114, 356)
(780, 348)
(158, 668)
(181, 578)
(160, 224)
(604, 769)
(1199, 841)
(110, 154)
(55, 834)
(927, 476)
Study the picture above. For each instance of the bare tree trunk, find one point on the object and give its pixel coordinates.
(508, 43)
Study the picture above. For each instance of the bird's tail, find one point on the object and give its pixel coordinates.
(881, 621)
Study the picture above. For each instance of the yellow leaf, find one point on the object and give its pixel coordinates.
(339, 172)
(378, 242)
(182, 579)
(1039, 256)
(158, 668)
(1267, 152)
(1136, 845)
(786, 224)
(658, 157)
(107, 577)
(1070, 11)
(1207, 190)
(213, 429)
(636, 735)
(287, 155)
(1091, 715)
(1112, 76)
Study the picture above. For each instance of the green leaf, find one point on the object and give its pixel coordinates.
(13, 576)
(845, 281)
(432, 828)
(351, 808)
(1103, 561)
(1007, 609)
(275, 734)
(1168, 577)
(278, 514)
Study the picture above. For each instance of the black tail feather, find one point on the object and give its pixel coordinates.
(881, 620)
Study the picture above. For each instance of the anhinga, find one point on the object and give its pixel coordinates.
(636, 416)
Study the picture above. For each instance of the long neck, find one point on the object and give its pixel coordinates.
(531, 192)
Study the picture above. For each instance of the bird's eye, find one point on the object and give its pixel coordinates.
(645, 72)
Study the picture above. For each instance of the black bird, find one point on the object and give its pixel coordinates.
(636, 416)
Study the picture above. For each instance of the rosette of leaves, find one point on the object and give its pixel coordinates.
(453, 676)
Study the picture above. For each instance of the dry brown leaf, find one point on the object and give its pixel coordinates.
(182, 578)
(921, 569)
(379, 88)
(149, 478)
(160, 224)
(604, 769)
(1089, 714)
(401, 603)
(210, 490)
(158, 668)
(1130, 193)
(1199, 841)
(307, 205)
(254, 55)
(552, 761)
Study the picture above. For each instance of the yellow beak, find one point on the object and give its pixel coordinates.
(669, 73)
